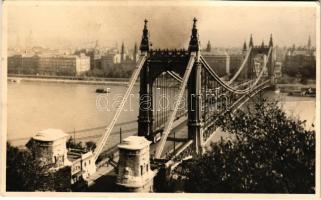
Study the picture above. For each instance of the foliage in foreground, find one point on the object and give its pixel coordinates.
(25, 173)
(269, 153)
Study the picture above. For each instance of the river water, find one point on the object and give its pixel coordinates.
(34, 106)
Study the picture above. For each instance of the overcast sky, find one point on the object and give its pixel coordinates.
(60, 26)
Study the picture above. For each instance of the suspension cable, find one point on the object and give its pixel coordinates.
(169, 123)
(241, 68)
(109, 128)
(228, 87)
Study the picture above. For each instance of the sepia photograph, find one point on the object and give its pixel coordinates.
(161, 97)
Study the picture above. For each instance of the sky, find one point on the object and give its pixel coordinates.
(77, 25)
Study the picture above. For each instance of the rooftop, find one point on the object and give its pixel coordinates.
(49, 135)
(49, 55)
(72, 156)
(222, 52)
(134, 143)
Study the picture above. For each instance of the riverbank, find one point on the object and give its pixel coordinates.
(68, 79)
(295, 85)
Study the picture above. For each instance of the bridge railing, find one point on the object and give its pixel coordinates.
(210, 124)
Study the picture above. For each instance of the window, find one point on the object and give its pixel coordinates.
(147, 168)
(126, 171)
(141, 170)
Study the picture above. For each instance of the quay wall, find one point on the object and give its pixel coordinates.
(69, 79)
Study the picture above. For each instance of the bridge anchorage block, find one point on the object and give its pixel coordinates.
(134, 173)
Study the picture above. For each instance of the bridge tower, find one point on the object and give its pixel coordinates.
(250, 63)
(270, 61)
(244, 52)
(145, 118)
(195, 124)
(260, 49)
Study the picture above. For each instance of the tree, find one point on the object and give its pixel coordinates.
(269, 153)
(88, 146)
(71, 143)
(25, 173)
(20, 171)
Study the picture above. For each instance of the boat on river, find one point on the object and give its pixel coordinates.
(304, 92)
(101, 90)
(14, 80)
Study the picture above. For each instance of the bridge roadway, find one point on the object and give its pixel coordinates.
(105, 174)
(104, 179)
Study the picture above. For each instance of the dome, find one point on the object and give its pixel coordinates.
(50, 135)
(134, 143)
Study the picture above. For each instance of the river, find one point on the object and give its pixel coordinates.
(34, 106)
(296, 107)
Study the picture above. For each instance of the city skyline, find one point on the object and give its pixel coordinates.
(170, 26)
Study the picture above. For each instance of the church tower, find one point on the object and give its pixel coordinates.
(122, 53)
(208, 47)
(309, 42)
(244, 47)
(135, 53)
(251, 41)
(271, 41)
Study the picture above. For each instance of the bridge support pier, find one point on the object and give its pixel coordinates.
(195, 132)
(145, 118)
(271, 67)
(250, 67)
(134, 173)
(195, 125)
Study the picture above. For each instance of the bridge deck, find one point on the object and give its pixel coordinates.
(105, 174)
(105, 169)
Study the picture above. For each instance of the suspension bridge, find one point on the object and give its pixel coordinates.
(180, 99)
(197, 95)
